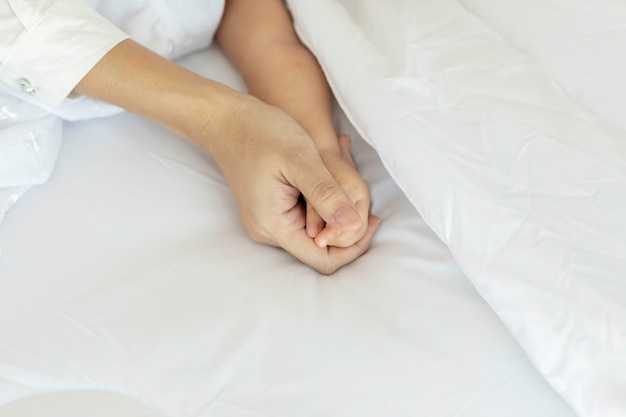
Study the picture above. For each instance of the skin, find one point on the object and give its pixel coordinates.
(268, 148)
(259, 38)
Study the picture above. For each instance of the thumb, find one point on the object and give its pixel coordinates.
(327, 197)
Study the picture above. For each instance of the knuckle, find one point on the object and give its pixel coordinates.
(361, 188)
(327, 268)
(364, 186)
(323, 192)
(256, 236)
(258, 233)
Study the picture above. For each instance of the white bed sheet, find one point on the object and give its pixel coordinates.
(128, 286)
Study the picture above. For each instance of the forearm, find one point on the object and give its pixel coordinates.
(267, 158)
(293, 81)
(258, 37)
(132, 77)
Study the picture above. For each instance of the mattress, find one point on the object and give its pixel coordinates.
(129, 287)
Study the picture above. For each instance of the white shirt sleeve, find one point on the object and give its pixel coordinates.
(48, 46)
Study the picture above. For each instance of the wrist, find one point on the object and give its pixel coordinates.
(210, 114)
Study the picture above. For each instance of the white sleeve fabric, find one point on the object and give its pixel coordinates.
(47, 46)
(30, 139)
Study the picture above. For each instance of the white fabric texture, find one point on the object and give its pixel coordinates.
(147, 298)
(50, 45)
(513, 154)
(524, 183)
(579, 43)
(30, 139)
(39, 66)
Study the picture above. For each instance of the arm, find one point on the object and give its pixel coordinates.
(259, 38)
(266, 157)
(135, 78)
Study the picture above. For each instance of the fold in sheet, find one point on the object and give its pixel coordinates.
(524, 184)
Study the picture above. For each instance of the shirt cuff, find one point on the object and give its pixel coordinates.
(57, 50)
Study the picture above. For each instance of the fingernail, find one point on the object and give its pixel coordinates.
(347, 218)
(322, 243)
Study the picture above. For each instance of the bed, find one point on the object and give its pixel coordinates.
(495, 285)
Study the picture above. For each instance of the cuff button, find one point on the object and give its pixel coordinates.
(26, 86)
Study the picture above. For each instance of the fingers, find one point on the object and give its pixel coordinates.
(270, 163)
(325, 195)
(329, 236)
(314, 222)
(330, 259)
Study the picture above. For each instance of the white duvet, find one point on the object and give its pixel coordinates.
(503, 123)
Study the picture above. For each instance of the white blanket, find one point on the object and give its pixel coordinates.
(502, 122)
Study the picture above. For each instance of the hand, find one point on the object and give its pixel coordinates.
(342, 167)
(268, 160)
(266, 156)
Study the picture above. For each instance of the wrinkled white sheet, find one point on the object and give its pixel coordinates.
(580, 44)
(128, 287)
(31, 133)
(502, 122)
(30, 139)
